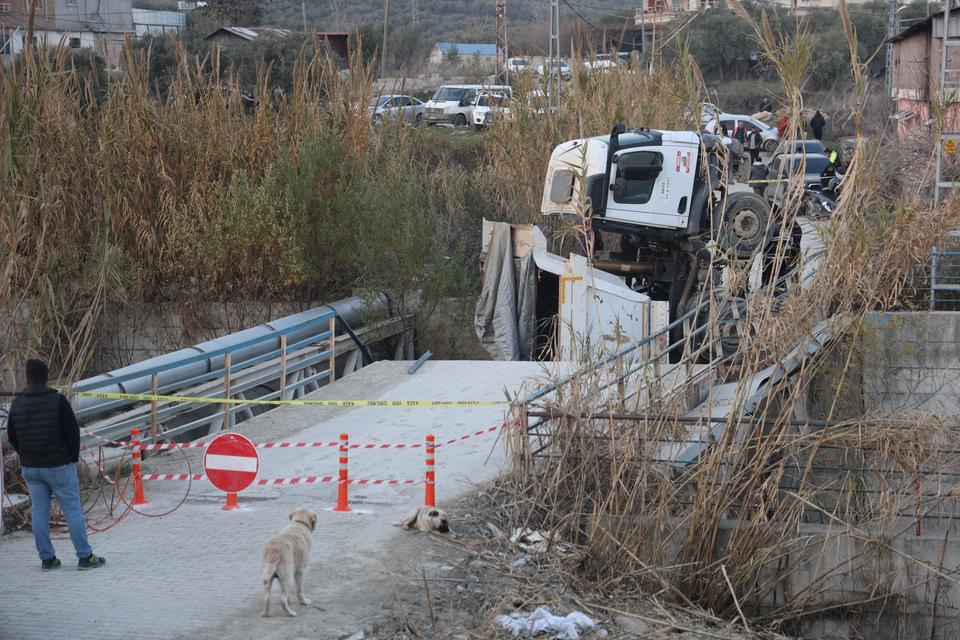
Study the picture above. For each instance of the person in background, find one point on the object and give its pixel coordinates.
(44, 432)
(817, 123)
(782, 125)
(766, 105)
(754, 144)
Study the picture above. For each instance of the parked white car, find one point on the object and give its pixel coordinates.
(453, 103)
(395, 107)
(601, 62)
(727, 123)
(517, 65)
(565, 71)
(490, 105)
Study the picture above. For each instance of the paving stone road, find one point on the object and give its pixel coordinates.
(195, 573)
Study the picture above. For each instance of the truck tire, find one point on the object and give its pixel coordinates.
(770, 146)
(744, 226)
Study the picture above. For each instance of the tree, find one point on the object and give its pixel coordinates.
(241, 13)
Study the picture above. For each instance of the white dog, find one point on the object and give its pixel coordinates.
(425, 519)
(285, 558)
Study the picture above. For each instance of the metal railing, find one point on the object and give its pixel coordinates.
(271, 366)
(944, 278)
(648, 364)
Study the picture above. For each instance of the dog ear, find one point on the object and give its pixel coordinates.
(434, 513)
(313, 522)
(290, 515)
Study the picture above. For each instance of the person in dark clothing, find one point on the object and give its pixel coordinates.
(817, 123)
(766, 105)
(45, 434)
(754, 145)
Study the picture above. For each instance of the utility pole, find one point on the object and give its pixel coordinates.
(553, 64)
(501, 39)
(893, 28)
(303, 10)
(383, 48)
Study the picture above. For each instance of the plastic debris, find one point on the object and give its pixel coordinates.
(542, 621)
(523, 560)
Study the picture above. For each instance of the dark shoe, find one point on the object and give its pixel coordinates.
(52, 563)
(91, 562)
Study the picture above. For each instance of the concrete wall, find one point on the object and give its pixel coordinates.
(911, 362)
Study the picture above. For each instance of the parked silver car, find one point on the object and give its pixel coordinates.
(395, 107)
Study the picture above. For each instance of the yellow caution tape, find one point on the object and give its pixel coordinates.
(297, 403)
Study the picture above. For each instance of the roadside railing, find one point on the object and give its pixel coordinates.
(283, 364)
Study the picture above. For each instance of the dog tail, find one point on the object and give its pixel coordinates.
(270, 561)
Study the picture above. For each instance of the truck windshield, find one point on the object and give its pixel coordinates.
(449, 94)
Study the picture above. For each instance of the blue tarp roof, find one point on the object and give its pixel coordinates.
(468, 48)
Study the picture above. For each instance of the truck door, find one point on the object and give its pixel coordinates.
(652, 187)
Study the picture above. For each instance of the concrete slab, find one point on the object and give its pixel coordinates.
(195, 572)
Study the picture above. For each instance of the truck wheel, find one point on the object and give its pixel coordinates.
(745, 224)
(770, 146)
(461, 120)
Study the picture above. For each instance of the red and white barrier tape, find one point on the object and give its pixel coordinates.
(303, 445)
(196, 477)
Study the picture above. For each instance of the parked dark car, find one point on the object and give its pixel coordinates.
(784, 167)
(804, 146)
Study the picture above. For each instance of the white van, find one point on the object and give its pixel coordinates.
(453, 103)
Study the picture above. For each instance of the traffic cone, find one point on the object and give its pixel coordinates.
(232, 504)
(430, 498)
(343, 481)
(138, 496)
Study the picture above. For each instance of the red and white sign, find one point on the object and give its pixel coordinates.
(231, 462)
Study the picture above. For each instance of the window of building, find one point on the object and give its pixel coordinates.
(4, 8)
(41, 6)
(74, 43)
(72, 3)
(4, 44)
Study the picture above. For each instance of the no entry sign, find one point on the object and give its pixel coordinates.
(231, 463)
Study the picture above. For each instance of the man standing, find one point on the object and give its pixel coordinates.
(754, 144)
(44, 432)
(817, 123)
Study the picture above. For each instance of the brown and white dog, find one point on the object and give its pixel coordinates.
(426, 519)
(285, 558)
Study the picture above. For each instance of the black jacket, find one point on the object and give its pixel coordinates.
(42, 428)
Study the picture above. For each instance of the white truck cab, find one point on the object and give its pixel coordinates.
(453, 103)
(652, 176)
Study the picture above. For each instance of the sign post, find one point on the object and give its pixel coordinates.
(231, 463)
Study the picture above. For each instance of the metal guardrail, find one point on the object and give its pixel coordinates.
(274, 369)
(645, 364)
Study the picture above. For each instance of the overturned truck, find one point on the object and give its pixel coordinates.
(677, 223)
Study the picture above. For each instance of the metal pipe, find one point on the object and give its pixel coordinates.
(420, 362)
(243, 346)
(621, 266)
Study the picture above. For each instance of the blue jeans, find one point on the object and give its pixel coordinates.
(61, 482)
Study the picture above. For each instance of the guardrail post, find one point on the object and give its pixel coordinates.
(430, 497)
(283, 367)
(226, 391)
(343, 481)
(138, 496)
(153, 407)
(933, 279)
(333, 350)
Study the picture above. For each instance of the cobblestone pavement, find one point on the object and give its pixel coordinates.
(195, 573)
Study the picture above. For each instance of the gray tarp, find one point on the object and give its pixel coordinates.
(506, 319)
